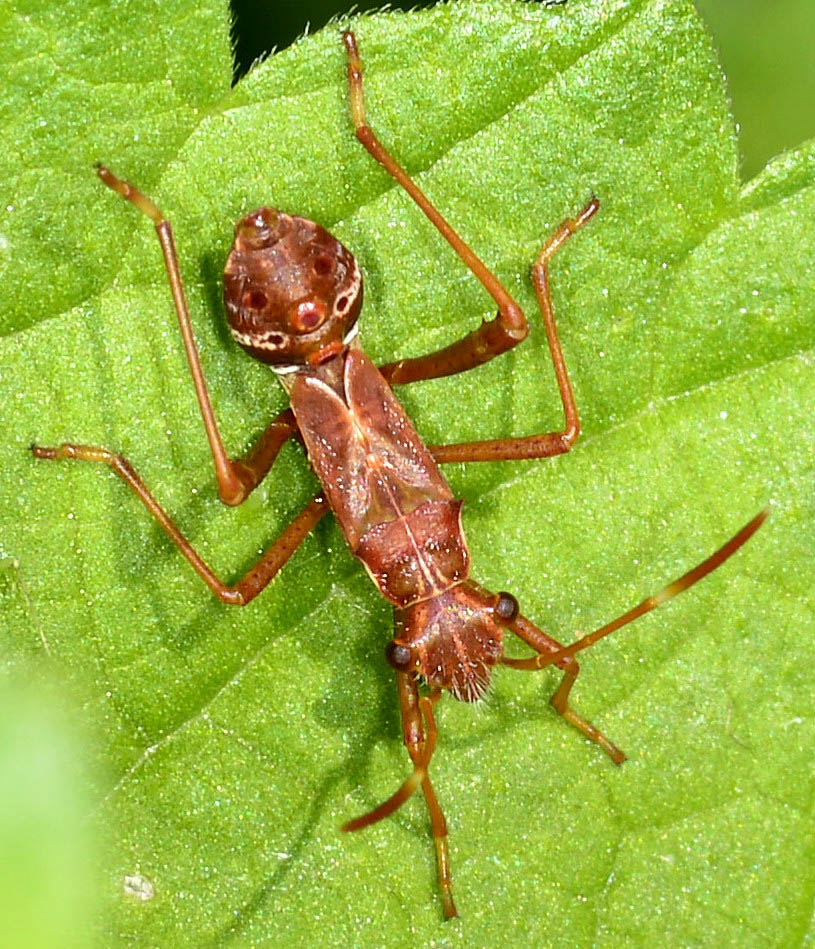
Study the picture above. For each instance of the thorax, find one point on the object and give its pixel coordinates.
(396, 510)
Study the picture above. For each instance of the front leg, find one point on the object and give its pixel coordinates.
(491, 339)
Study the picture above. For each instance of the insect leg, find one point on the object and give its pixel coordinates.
(420, 749)
(253, 468)
(551, 652)
(255, 579)
(236, 479)
(546, 647)
(492, 338)
(549, 443)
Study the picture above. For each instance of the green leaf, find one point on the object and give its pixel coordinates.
(45, 874)
(233, 743)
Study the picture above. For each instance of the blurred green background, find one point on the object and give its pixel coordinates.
(765, 47)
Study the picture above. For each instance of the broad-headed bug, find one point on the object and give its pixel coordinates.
(293, 294)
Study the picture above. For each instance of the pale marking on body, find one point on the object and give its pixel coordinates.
(377, 463)
(258, 342)
(350, 291)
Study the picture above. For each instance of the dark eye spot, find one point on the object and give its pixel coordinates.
(323, 265)
(254, 300)
(342, 303)
(308, 316)
(506, 609)
(398, 656)
(310, 320)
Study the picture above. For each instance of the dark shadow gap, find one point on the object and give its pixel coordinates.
(259, 26)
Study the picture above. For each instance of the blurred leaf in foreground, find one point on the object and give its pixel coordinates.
(46, 892)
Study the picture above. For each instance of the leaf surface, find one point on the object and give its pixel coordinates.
(233, 743)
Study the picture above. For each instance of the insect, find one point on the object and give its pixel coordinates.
(293, 295)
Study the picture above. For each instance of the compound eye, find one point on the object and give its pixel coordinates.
(398, 656)
(506, 609)
(308, 316)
